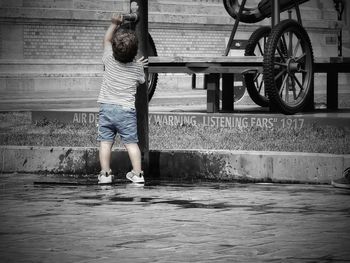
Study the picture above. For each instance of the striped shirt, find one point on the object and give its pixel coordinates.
(120, 80)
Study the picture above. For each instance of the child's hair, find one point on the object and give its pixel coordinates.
(124, 45)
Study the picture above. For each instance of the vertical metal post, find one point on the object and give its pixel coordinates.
(235, 27)
(275, 13)
(297, 10)
(227, 91)
(194, 81)
(332, 90)
(141, 30)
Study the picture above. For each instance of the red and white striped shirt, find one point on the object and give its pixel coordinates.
(120, 80)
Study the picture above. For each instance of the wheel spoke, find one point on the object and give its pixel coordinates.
(256, 83)
(260, 85)
(300, 58)
(257, 76)
(290, 47)
(281, 64)
(284, 43)
(281, 53)
(260, 49)
(298, 82)
(283, 85)
(280, 74)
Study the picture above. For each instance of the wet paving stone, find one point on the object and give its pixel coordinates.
(172, 222)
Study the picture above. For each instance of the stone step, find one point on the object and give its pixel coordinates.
(44, 86)
(67, 4)
(50, 66)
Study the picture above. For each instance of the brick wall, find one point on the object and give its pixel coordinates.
(62, 41)
(190, 42)
(85, 42)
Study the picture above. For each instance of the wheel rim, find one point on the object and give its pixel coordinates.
(258, 78)
(150, 81)
(152, 77)
(254, 81)
(293, 62)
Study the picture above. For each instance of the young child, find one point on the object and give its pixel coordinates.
(117, 113)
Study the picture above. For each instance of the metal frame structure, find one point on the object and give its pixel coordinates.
(286, 83)
(290, 51)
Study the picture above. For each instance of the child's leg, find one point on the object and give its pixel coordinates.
(105, 155)
(135, 156)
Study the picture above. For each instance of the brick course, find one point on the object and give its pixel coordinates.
(190, 42)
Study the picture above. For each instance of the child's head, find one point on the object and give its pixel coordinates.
(124, 45)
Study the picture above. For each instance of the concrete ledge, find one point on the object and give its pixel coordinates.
(182, 164)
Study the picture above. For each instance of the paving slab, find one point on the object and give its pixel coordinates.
(172, 222)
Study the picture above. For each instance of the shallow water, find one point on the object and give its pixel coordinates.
(171, 222)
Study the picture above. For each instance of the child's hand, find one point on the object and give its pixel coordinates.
(143, 61)
(117, 19)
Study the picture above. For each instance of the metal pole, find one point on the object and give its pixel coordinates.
(141, 29)
(235, 27)
(275, 13)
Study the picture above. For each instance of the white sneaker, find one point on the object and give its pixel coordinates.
(105, 177)
(135, 178)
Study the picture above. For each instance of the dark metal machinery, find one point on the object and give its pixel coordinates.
(286, 83)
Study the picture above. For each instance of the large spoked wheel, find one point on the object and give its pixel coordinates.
(152, 77)
(288, 67)
(255, 82)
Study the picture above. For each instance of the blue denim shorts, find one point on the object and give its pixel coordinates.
(116, 119)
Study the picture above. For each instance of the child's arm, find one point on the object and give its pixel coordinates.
(116, 20)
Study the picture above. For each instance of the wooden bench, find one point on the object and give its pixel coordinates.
(225, 67)
(214, 67)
